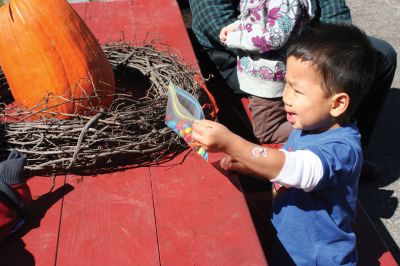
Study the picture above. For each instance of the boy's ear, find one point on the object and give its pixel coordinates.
(340, 103)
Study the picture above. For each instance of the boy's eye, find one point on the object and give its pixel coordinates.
(293, 88)
(297, 91)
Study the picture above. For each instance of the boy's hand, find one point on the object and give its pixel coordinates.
(223, 35)
(229, 164)
(212, 136)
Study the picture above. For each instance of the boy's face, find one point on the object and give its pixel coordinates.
(306, 103)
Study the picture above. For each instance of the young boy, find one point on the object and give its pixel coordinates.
(329, 70)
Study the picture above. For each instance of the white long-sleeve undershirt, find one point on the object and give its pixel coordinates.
(302, 169)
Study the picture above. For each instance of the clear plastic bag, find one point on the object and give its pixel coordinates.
(182, 110)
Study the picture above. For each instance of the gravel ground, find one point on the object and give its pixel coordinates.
(380, 18)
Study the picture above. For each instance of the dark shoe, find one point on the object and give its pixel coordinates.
(369, 172)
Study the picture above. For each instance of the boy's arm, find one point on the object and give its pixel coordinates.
(272, 34)
(301, 169)
(260, 161)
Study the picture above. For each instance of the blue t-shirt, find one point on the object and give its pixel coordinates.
(315, 227)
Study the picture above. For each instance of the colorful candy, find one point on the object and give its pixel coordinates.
(184, 130)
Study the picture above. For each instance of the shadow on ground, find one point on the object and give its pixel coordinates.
(13, 251)
(379, 198)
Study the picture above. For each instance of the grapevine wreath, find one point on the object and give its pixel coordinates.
(131, 131)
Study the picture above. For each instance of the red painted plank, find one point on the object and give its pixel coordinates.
(111, 21)
(162, 21)
(139, 22)
(109, 220)
(80, 8)
(37, 240)
(202, 216)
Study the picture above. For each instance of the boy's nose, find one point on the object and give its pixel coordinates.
(286, 97)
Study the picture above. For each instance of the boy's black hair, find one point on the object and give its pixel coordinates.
(342, 54)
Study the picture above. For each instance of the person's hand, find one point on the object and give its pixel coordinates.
(223, 35)
(229, 164)
(212, 136)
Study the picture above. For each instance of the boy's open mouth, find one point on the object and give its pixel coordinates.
(291, 117)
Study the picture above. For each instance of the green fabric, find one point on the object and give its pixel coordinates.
(209, 17)
(334, 11)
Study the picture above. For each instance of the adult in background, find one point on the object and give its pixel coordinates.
(209, 16)
(260, 37)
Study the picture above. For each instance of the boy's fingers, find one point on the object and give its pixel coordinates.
(201, 129)
(197, 133)
(200, 125)
(197, 139)
(225, 162)
(229, 164)
(197, 129)
(205, 123)
(236, 167)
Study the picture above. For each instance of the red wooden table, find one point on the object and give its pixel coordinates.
(183, 212)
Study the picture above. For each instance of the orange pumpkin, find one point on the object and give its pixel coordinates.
(47, 49)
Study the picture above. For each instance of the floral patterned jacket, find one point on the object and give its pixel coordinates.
(262, 31)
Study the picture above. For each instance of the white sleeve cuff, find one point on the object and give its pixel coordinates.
(236, 24)
(233, 39)
(302, 169)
